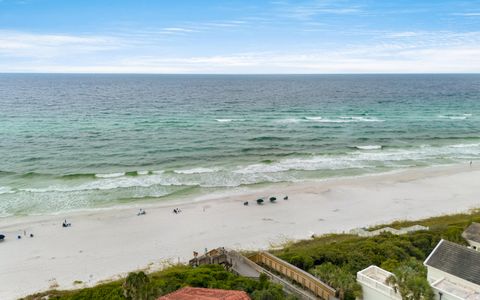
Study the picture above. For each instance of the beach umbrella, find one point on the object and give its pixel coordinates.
(259, 201)
(273, 199)
(2, 237)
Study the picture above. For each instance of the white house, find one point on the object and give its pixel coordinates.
(472, 235)
(372, 281)
(454, 272)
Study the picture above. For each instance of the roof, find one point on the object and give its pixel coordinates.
(472, 233)
(457, 290)
(376, 278)
(457, 260)
(189, 293)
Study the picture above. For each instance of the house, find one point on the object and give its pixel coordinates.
(454, 272)
(189, 293)
(472, 235)
(374, 287)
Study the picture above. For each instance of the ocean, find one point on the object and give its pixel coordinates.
(70, 142)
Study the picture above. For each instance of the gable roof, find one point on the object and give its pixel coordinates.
(189, 293)
(472, 233)
(456, 260)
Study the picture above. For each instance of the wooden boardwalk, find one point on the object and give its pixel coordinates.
(277, 270)
(305, 279)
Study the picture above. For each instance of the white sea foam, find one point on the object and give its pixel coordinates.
(455, 117)
(271, 172)
(260, 168)
(362, 159)
(313, 118)
(343, 119)
(465, 145)
(333, 121)
(6, 190)
(369, 147)
(113, 183)
(143, 172)
(229, 120)
(288, 121)
(362, 119)
(196, 171)
(110, 175)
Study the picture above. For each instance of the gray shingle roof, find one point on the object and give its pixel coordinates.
(472, 232)
(456, 260)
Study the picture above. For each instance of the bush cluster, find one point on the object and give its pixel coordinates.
(139, 286)
(336, 258)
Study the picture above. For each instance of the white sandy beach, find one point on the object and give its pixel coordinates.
(104, 244)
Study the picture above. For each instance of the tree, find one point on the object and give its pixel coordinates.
(340, 278)
(410, 279)
(137, 287)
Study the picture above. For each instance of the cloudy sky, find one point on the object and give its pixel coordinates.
(211, 36)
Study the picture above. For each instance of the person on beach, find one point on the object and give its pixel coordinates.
(470, 163)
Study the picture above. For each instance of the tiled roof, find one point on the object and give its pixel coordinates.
(189, 293)
(456, 260)
(472, 232)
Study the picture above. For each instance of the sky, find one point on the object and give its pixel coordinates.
(240, 37)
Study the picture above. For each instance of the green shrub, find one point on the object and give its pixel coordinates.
(410, 279)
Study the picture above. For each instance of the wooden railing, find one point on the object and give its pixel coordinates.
(305, 279)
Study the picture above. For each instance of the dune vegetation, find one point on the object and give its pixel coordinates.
(334, 258)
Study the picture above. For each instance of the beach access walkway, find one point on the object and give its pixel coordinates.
(366, 233)
(294, 280)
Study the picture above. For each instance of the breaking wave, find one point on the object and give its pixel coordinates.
(196, 171)
(229, 120)
(369, 147)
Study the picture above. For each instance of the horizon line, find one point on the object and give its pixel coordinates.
(237, 74)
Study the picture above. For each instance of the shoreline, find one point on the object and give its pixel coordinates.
(241, 190)
(105, 243)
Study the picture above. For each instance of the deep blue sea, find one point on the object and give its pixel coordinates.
(87, 141)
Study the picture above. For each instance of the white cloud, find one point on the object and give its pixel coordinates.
(379, 59)
(13, 43)
(178, 29)
(469, 14)
(390, 52)
(403, 34)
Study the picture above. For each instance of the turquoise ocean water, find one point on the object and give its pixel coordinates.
(85, 141)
